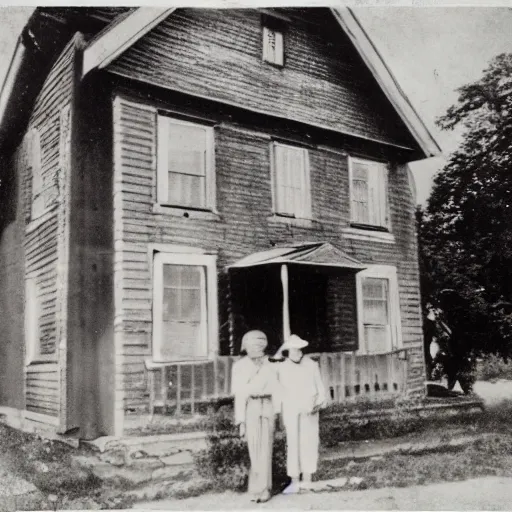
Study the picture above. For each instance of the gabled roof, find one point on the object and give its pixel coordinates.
(131, 25)
(388, 83)
(319, 254)
(108, 46)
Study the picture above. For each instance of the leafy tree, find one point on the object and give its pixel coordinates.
(466, 230)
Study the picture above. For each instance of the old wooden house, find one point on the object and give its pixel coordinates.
(173, 177)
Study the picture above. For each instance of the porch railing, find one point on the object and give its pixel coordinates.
(194, 387)
(349, 376)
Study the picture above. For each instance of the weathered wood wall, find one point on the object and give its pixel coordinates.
(244, 224)
(39, 246)
(217, 54)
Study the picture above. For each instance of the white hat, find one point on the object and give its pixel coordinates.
(257, 338)
(294, 341)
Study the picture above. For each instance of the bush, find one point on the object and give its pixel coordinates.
(494, 367)
(225, 461)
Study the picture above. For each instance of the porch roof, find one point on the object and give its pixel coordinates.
(321, 254)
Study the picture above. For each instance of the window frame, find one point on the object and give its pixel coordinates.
(395, 323)
(386, 226)
(162, 163)
(306, 214)
(208, 298)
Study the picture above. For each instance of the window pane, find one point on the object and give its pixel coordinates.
(183, 312)
(171, 309)
(186, 138)
(375, 301)
(376, 338)
(375, 288)
(369, 193)
(290, 181)
(187, 190)
(375, 312)
(187, 157)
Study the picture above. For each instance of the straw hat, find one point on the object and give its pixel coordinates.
(294, 341)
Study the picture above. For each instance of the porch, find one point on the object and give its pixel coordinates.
(182, 390)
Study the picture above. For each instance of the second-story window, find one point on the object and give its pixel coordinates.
(292, 194)
(369, 193)
(186, 168)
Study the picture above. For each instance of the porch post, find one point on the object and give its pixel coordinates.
(286, 310)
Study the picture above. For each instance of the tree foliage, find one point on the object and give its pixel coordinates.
(466, 230)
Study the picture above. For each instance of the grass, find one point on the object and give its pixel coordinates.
(64, 485)
(482, 458)
(48, 465)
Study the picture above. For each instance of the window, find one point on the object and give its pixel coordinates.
(185, 164)
(291, 188)
(273, 46)
(184, 308)
(368, 193)
(34, 159)
(378, 310)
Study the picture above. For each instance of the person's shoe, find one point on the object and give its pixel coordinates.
(263, 497)
(293, 488)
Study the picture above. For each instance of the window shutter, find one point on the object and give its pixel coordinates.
(163, 160)
(360, 193)
(385, 197)
(281, 177)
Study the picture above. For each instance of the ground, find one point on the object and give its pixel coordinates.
(433, 469)
(493, 493)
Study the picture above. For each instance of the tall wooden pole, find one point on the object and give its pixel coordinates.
(286, 307)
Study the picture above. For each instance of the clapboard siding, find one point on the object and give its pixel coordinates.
(243, 225)
(45, 241)
(216, 54)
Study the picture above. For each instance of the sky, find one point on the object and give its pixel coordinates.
(431, 51)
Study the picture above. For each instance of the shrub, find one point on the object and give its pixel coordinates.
(225, 461)
(494, 367)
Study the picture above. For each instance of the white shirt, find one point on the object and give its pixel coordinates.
(250, 379)
(301, 386)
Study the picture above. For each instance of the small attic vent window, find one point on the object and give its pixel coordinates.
(273, 47)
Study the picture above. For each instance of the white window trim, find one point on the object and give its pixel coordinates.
(383, 272)
(351, 161)
(162, 167)
(307, 213)
(211, 328)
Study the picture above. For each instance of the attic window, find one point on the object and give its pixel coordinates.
(273, 40)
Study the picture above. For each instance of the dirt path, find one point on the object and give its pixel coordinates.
(491, 493)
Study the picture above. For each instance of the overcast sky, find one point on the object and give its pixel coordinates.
(431, 50)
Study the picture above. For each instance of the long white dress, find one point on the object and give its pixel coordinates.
(302, 389)
(257, 400)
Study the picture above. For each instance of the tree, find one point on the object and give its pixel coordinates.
(466, 231)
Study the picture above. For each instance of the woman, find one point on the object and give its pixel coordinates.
(255, 387)
(303, 395)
